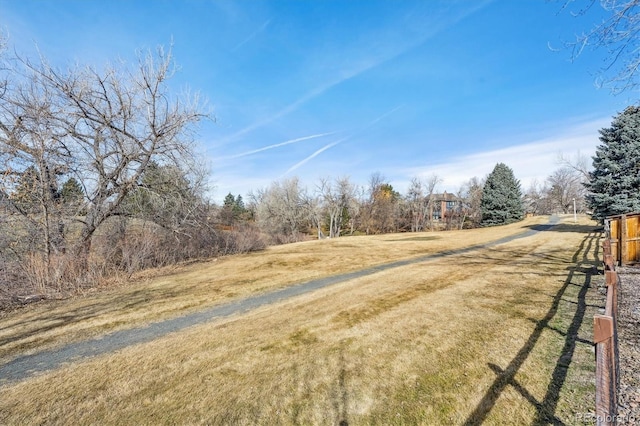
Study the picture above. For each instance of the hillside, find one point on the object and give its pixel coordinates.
(460, 327)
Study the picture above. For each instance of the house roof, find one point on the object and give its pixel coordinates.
(446, 197)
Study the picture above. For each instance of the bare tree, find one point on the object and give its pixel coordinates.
(368, 202)
(282, 209)
(564, 188)
(578, 162)
(534, 198)
(339, 203)
(104, 127)
(430, 186)
(471, 194)
(618, 34)
(421, 201)
(417, 206)
(381, 209)
(312, 203)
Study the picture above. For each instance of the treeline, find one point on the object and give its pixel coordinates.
(288, 211)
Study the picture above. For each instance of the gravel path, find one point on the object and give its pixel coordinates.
(629, 345)
(23, 367)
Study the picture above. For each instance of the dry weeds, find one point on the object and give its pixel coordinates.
(457, 340)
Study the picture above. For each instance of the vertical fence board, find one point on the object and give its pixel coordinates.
(622, 241)
(624, 231)
(614, 237)
(632, 238)
(603, 386)
(602, 328)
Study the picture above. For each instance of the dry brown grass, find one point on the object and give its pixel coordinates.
(421, 344)
(179, 290)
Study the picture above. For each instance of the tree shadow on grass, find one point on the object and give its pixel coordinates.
(566, 227)
(546, 408)
(51, 320)
(340, 397)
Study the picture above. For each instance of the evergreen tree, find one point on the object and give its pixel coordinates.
(232, 209)
(164, 196)
(71, 192)
(238, 207)
(501, 198)
(614, 183)
(227, 214)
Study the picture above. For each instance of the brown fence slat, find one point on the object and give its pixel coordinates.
(624, 248)
(624, 232)
(602, 328)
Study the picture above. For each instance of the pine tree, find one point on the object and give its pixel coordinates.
(501, 198)
(227, 214)
(232, 209)
(238, 207)
(614, 183)
(164, 196)
(71, 192)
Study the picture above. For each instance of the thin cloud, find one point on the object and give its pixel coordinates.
(284, 111)
(289, 142)
(315, 154)
(533, 161)
(331, 145)
(252, 35)
(382, 117)
(364, 65)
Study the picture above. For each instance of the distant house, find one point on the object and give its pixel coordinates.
(444, 205)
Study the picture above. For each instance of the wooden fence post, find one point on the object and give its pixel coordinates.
(624, 256)
(605, 333)
(609, 262)
(605, 373)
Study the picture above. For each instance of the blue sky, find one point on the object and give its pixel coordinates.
(348, 88)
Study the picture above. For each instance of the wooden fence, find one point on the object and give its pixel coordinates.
(624, 233)
(605, 337)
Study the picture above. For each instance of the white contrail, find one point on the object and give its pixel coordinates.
(281, 113)
(318, 152)
(382, 117)
(255, 33)
(357, 70)
(324, 148)
(289, 142)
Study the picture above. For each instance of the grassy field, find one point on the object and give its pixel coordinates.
(499, 335)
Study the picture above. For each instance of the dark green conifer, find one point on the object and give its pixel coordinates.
(614, 183)
(501, 198)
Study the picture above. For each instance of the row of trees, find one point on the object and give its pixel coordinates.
(99, 176)
(288, 211)
(334, 207)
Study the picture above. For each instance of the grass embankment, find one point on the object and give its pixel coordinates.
(499, 334)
